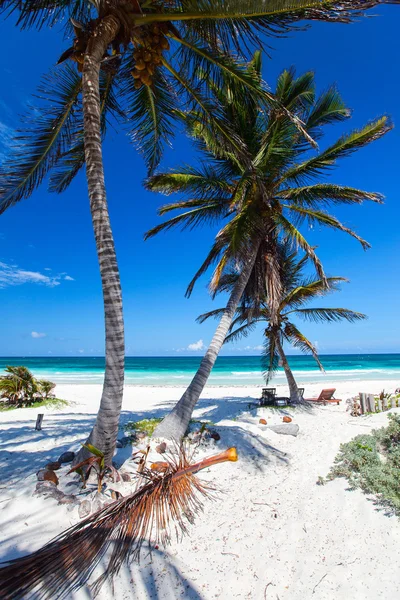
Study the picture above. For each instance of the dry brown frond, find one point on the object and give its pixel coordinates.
(66, 563)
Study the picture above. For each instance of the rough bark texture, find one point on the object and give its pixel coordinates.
(294, 392)
(175, 424)
(105, 430)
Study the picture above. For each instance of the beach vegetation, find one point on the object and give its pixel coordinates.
(137, 63)
(297, 290)
(372, 462)
(96, 463)
(262, 199)
(146, 426)
(19, 388)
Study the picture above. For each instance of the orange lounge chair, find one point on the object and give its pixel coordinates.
(324, 397)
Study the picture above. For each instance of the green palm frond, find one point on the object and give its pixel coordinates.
(197, 182)
(70, 163)
(207, 212)
(40, 13)
(293, 236)
(230, 22)
(151, 112)
(328, 193)
(37, 149)
(295, 92)
(240, 332)
(346, 145)
(298, 340)
(329, 315)
(322, 218)
(270, 356)
(328, 109)
(208, 111)
(308, 290)
(202, 59)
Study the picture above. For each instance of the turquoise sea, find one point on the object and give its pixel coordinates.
(228, 371)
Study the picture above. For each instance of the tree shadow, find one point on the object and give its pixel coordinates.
(157, 576)
(25, 450)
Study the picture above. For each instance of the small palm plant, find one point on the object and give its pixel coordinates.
(18, 386)
(297, 291)
(264, 201)
(45, 388)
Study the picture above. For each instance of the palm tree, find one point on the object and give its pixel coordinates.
(264, 200)
(18, 385)
(297, 290)
(150, 55)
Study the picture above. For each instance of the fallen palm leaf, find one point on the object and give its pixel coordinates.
(66, 563)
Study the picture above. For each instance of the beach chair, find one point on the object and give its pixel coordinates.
(268, 396)
(325, 397)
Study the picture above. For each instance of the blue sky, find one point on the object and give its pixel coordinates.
(50, 293)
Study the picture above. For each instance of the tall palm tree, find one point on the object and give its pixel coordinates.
(149, 53)
(264, 200)
(297, 290)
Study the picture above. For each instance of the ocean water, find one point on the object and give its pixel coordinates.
(228, 371)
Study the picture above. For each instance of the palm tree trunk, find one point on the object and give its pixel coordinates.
(175, 424)
(293, 389)
(105, 430)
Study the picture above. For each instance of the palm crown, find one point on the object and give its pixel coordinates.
(153, 65)
(297, 291)
(270, 193)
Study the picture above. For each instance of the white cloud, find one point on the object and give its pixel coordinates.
(12, 275)
(36, 334)
(196, 345)
(260, 347)
(69, 278)
(81, 351)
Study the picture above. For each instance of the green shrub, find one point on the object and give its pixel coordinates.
(146, 426)
(372, 463)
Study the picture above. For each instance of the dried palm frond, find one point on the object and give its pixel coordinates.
(66, 563)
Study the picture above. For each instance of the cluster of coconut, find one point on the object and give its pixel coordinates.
(150, 44)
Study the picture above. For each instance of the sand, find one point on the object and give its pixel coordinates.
(271, 534)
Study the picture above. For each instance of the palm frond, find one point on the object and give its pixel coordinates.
(215, 314)
(298, 340)
(328, 109)
(347, 144)
(305, 292)
(38, 148)
(270, 356)
(323, 218)
(198, 182)
(67, 562)
(293, 236)
(240, 332)
(40, 13)
(208, 111)
(204, 212)
(151, 112)
(70, 163)
(329, 315)
(328, 193)
(234, 21)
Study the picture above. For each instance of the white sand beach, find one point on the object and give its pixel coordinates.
(272, 533)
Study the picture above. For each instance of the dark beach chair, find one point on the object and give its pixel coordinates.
(268, 396)
(325, 397)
